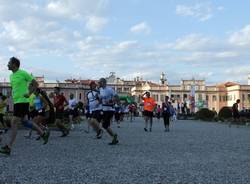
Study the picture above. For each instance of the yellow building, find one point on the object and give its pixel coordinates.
(213, 97)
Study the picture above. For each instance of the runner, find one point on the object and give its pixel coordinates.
(35, 108)
(72, 110)
(95, 109)
(108, 98)
(132, 110)
(235, 112)
(158, 113)
(22, 83)
(149, 105)
(32, 113)
(59, 103)
(118, 113)
(166, 113)
(41, 111)
(3, 106)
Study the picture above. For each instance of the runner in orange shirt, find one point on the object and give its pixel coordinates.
(149, 105)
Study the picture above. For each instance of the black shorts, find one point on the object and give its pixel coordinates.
(50, 117)
(107, 116)
(97, 115)
(1, 118)
(21, 110)
(35, 113)
(118, 116)
(59, 115)
(73, 112)
(148, 114)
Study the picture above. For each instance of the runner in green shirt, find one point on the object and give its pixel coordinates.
(22, 84)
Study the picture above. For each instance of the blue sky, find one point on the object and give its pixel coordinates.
(87, 39)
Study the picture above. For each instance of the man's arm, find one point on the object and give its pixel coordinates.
(142, 97)
(3, 104)
(45, 103)
(66, 102)
(33, 86)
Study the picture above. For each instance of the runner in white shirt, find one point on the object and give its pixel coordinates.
(95, 109)
(108, 98)
(72, 110)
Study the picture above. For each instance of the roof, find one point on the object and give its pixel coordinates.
(227, 84)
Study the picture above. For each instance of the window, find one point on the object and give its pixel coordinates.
(243, 97)
(200, 97)
(184, 96)
(224, 98)
(80, 96)
(214, 98)
(162, 98)
(207, 97)
(155, 97)
(126, 89)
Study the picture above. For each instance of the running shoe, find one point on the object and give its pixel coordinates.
(46, 136)
(99, 134)
(65, 133)
(5, 150)
(145, 129)
(114, 141)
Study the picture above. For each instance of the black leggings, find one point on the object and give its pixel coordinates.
(166, 120)
(2, 121)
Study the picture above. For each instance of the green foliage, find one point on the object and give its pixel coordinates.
(205, 114)
(225, 113)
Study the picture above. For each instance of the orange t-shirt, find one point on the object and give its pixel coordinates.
(149, 104)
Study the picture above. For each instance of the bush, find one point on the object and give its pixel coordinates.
(225, 113)
(205, 114)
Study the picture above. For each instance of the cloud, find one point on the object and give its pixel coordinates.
(73, 30)
(96, 24)
(227, 54)
(241, 37)
(32, 35)
(201, 11)
(192, 42)
(76, 9)
(127, 44)
(238, 74)
(142, 27)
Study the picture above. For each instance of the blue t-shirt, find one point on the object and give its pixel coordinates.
(38, 103)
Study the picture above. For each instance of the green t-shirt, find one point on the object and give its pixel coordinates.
(19, 83)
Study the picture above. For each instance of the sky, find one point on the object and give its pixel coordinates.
(88, 39)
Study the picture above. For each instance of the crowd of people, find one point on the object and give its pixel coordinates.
(36, 110)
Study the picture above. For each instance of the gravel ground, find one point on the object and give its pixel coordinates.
(192, 152)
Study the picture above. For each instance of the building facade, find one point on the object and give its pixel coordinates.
(195, 93)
